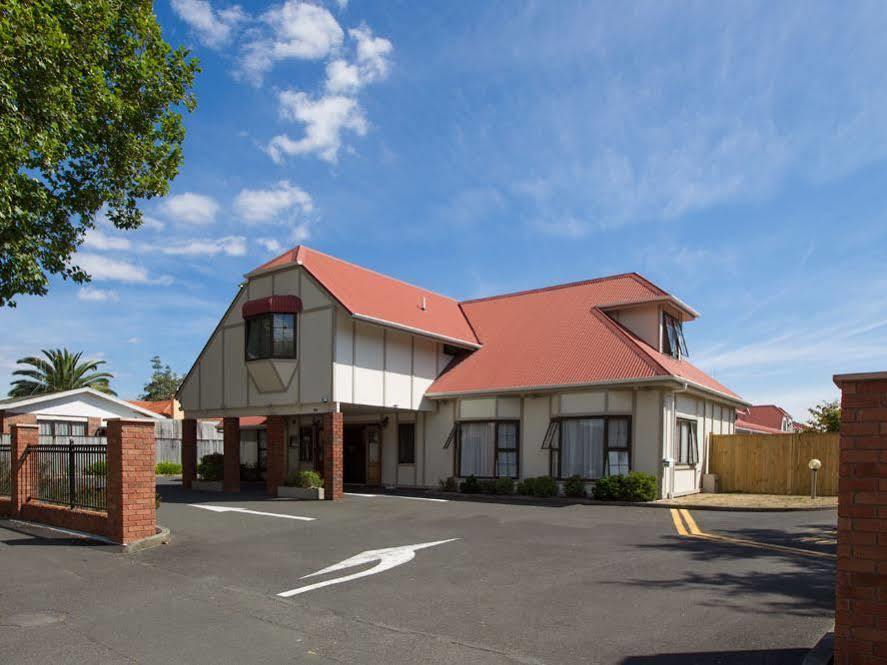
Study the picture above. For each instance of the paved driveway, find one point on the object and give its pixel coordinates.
(513, 584)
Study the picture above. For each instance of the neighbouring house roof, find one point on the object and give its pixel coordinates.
(17, 403)
(560, 336)
(164, 407)
(765, 418)
(247, 422)
(381, 299)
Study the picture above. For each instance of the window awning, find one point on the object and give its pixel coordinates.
(272, 305)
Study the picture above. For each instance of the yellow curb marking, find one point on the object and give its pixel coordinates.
(685, 525)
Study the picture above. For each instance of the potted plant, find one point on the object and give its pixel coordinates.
(210, 472)
(305, 485)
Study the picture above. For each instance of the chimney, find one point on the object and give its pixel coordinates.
(423, 304)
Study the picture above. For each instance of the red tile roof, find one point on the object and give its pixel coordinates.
(554, 336)
(763, 418)
(163, 407)
(370, 295)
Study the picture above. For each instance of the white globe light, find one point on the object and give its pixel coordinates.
(814, 464)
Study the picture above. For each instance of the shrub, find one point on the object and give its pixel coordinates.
(488, 486)
(471, 485)
(543, 486)
(304, 479)
(636, 486)
(574, 486)
(504, 486)
(449, 485)
(212, 467)
(249, 472)
(168, 469)
(99, 468)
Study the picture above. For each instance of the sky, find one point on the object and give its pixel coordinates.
(733, 153)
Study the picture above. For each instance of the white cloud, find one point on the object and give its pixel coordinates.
(341, 76)
(372, 63)
(297, 30)
(262, 205)
(325, 120)
(93, 294)
(191, 208)
(213, 27)
(229, 246)
(301, 233)
(152, 223)
(95, 239)
(270, 245)
(101, 268)
(134, 340)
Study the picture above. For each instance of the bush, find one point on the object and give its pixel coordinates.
(504, 486)
(574, 486)
(250, 472)
(211, 467)
(471, 485)
(99, 468)
(488, 486)
(304, 479)
(168, 469)
(449, 485)
(636, 486)
(543, 486)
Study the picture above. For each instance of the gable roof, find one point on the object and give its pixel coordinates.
(763, 418)
(165, 407)
(18, 402)
(371, 296)
(560, 336)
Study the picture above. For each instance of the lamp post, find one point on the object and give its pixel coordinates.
(814, 465)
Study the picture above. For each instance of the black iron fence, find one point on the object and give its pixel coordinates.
(5, 469)
(72, 475)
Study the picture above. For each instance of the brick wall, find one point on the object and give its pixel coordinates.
(7, 420)
(332, 456)
(276, 469)
(231, 434)
(189, 452)
(861, 591)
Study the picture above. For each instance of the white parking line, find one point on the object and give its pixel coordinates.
(397, 496)
(246, 511)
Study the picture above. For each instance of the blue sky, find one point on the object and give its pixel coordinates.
(734, 153)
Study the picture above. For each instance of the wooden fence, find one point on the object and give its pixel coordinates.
(775, 463)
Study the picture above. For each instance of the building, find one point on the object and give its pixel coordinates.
(80, 412)
(374, 381)
(765, 419)
(168, 408)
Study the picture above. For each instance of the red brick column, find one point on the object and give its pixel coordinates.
(861, 593)
(189, 452)
(92, 426)
(276, 470)
(332, 456)
(7, 420)
(130, 480)
(22, 436)
(231, 435)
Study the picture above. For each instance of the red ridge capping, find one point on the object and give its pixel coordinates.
(272, 305)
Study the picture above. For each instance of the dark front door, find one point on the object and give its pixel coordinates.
(354, 460)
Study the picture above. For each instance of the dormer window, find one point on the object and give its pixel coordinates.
(673, 342)
(271, 327)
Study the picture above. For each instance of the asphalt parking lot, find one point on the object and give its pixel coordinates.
(510, 584)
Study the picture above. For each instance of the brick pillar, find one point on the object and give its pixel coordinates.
(276, 470)
(231, 481)
(332, 456)
(22, 435)
(92, 426)
(7, 420)
(189, 452)
(130, 481)
(861, 593)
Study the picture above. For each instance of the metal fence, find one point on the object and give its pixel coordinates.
(68, 439)
(5, 469)
(72, 475)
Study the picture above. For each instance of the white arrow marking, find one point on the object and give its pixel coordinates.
(388, 558)
(231, 509)
(396, 496)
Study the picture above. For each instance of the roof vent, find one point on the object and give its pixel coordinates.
(423, 304)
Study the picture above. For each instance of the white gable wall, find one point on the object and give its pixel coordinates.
(78, 407)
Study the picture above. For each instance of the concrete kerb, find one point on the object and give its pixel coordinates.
(162, 537)
(823, 653)
(560, 502)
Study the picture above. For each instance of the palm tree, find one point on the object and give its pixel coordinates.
(61, 370)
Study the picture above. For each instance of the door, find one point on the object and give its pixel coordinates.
(373, 435)
(354, 456)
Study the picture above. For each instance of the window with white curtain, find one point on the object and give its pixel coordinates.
(489, 449)
(592, 447)
(686, 441)
(62, 428)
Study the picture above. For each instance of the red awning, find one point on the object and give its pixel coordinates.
(272, 305)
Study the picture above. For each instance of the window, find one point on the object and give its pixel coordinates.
(62, 428)
(673, 342)
(686, 442)
(271, 336)
(406, 443)
(590, 447)
(488, 449)
(306, 444)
